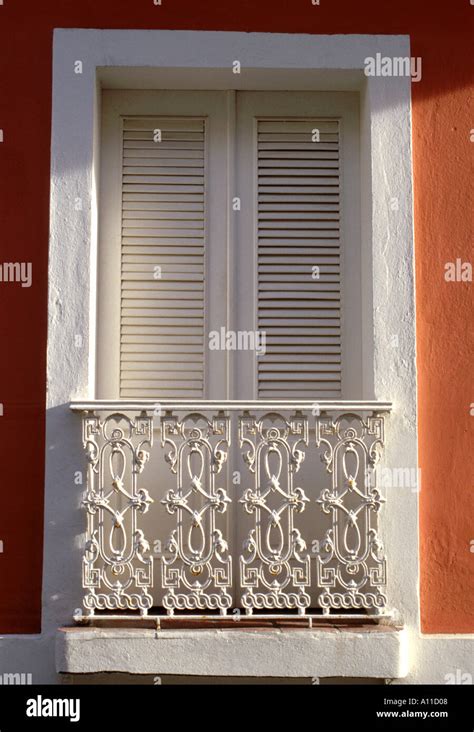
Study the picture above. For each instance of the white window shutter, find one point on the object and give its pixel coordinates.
(162, 258)
(299, 276)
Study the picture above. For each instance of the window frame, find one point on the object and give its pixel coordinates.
(227, 303)
(203, 60)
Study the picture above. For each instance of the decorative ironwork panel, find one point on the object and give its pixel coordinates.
(198, 574)
(117, 564)
(274, 570)
(351, 567)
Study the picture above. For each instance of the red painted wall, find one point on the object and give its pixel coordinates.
(441, 34)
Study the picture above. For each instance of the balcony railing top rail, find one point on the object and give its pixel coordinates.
(323, 405)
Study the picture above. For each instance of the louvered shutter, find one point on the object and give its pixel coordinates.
(298, 214)
(162, 258)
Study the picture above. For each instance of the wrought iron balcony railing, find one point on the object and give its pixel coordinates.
(244, 507)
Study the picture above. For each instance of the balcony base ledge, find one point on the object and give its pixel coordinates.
(367, 651)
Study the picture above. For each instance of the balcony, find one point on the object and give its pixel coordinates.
(253, 510)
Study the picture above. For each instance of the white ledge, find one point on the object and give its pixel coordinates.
(109, 405)
(365, 652)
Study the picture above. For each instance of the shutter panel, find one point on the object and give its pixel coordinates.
(298, 229)
(163, 226)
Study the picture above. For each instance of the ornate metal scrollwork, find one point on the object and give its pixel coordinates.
(275, 564)
(198, 574)
(117, 565)
(275, 570)
(351, 567)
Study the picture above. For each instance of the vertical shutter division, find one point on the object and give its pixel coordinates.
(299, 307)
(162, 258)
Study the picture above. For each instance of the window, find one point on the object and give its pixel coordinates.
(145, 61)
(229, 254)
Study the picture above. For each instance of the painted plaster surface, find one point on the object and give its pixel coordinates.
(442, 160)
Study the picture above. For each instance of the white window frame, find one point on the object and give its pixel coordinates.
(232, 376)
(203, 60)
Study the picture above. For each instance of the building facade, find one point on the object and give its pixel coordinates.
(244, 378)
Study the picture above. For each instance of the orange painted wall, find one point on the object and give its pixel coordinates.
(443, 115)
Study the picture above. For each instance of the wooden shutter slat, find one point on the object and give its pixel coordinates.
(163, 225)
(298, 228)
